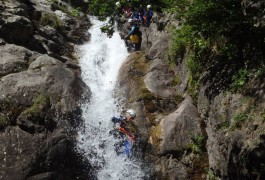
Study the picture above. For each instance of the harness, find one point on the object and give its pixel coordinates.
(131, 137)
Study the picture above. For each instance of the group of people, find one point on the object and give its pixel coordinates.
(124, 128)
(136, 18)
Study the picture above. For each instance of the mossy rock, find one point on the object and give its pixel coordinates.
(4, 121)
(40, 112)
(152, 118)
(139, 67)
(51, 20)
(11, 109)
(145, 94)
(156, 135)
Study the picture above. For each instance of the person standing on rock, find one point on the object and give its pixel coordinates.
(148, 16)
(135, 35)
(125, 130)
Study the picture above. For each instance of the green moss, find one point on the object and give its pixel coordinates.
(75, 12)
(152, 118)
(240, 118)
(223, 125)
(145, 94)
(36, 112)
(156, 136)
(176, 80)
(198, 144)
(4, 121)
(10, 108)
(211, 175)
(50, 20)
(108, 29)
(178, 98)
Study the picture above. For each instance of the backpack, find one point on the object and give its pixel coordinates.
(134, 38)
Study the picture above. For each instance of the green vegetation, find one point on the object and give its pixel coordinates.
(108, 29)
(211, 175)
(254, 113)
(180, 41)
(50, 20)
(218, 37)
(4, 121)
(156, 136)
(198, 144)
(239, 119)
(101, 8)
(9, 111)
(223, 125)
(39, 110)
(240, 79)
(75, 12)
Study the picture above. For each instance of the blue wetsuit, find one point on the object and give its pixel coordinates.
(125, 142)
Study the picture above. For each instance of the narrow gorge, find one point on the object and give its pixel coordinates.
(197, 86)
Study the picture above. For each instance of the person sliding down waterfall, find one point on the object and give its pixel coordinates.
(125, 131)
(135, 35)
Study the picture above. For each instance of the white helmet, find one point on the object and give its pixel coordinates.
(130, 20)
(149, 6)
(118, 4)
(131, 112)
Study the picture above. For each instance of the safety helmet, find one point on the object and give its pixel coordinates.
(131, 112)
(118, 4)
(149, 6)
(130, 20)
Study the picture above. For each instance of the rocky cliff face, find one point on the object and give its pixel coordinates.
(208, 137)
(217, 135)
(40, 90)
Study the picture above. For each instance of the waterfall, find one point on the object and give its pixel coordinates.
(100, 61)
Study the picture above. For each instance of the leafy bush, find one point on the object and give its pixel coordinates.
(180, 41)
(240, 79)
(101, 8)
(108, 29)
(75, 12)
(219, 37)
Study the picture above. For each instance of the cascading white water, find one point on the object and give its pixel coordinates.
(100, 60)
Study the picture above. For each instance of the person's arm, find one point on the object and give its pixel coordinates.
(131, 32)
(116, 119)
(130, 135)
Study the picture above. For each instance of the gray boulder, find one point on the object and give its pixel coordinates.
(180, 127)
(159, 79)
(14, 59)
(45, 75)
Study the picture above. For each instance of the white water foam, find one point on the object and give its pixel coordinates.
(100, 61)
